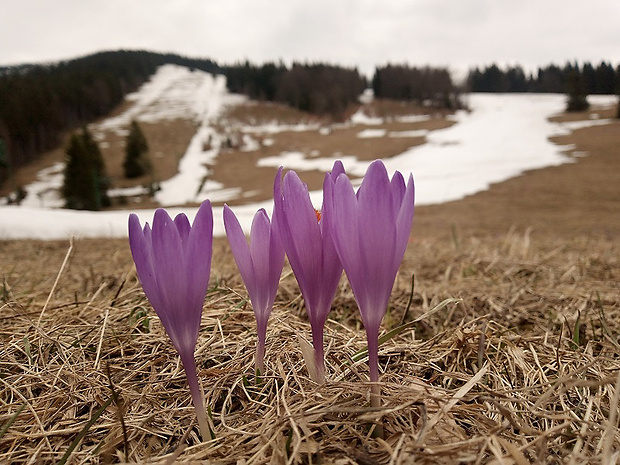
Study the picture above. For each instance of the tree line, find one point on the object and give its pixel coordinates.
(426, 85)
(330, 90)
(318, 88)
(600, 79)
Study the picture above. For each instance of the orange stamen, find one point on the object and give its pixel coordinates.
(318, 215)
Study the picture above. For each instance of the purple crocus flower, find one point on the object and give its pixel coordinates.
(371, 231)
(311, 253)
(260, 265)
(173, 262)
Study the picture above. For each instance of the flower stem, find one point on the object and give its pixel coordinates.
(189, 364)
(319, 353)
(260, 356)
(372, 337)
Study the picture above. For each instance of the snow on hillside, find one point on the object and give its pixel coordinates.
(177, 92)
(501, 137)
(172, 92)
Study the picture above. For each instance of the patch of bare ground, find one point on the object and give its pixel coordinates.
(236, 167)
(167, 140)
(594, 112)
(256, 113)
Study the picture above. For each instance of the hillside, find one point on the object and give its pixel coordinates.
(208, 143)
(39, 103)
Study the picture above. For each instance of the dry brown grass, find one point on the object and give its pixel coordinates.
(525, 368)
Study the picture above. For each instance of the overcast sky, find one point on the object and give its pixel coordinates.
(363, 33)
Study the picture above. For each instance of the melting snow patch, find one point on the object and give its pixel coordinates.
(276, 128)
(128, 191)
(44, 192)
(359, 117)
(412, 118)
(249, 144)
(298, 161)
(371, 133)
(413, 133)
(173, 92)
(567, 127)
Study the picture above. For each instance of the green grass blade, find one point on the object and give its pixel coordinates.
(82, 433)
(11, 420)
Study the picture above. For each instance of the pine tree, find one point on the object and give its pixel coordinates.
(136, 153)
(85, 185)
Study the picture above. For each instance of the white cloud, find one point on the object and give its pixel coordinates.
(364, 33)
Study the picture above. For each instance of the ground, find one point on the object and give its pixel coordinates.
(522, 368)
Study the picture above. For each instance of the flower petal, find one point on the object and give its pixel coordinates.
(276, 261)
(337, 170)
(344, 229)
(259, 251)
(397, 190)
(301, 215)
(182, 224)
(301, 235)
(239, 248)
(365, 235)
(172, 280)
(404, 220)
(199, 251)
(143, 260)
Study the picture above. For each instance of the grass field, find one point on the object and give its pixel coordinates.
(523, 367)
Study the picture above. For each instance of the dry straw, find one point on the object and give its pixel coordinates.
(524, 368)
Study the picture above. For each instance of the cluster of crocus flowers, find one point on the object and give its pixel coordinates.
(173, 262)
(365, 233)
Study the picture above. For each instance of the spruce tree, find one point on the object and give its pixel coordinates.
(576, 91)
(85, 185)
(136, 153)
